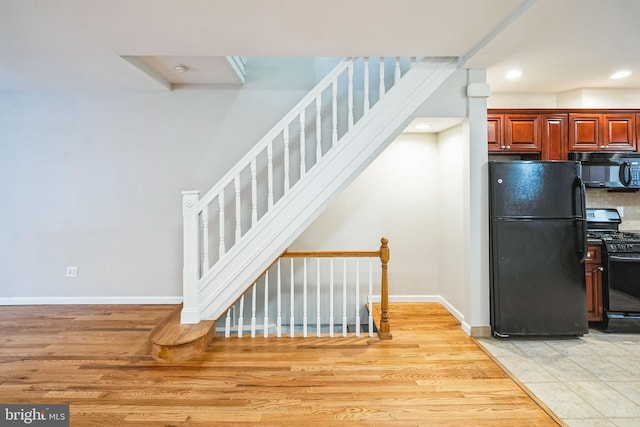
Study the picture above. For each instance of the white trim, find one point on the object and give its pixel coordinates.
(88, 300)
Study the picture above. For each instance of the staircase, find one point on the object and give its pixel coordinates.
(238, 228)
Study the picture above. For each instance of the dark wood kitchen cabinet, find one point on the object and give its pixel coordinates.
(602, 132)
(593, 278)
(554, 136)
(513, 133)
(543, 135)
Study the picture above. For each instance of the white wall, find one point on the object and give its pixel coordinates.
(576, 98)
(451, 151)
(395, 197)
(95, 179)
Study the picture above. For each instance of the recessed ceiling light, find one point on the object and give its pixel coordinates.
(513, 74)
(620, 74)
(180, 68)
(423, 126)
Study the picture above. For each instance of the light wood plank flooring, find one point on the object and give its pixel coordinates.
(98, 359)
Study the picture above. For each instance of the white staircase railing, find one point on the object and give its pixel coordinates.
(314, 293)
(244, 204)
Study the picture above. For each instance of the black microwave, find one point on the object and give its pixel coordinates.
(609, 170)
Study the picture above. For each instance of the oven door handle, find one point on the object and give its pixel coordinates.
(624, 258)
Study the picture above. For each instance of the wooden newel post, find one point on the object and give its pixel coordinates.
(384, 331)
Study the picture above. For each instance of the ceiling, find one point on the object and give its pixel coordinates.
(92, 45)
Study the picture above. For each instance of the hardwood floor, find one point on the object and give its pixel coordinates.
(98, 359)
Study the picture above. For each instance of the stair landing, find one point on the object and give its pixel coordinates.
(174, 342)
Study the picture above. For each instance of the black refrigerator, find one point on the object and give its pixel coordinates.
(537, 248)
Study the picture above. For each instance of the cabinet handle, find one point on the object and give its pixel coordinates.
(602, 146)
(508, 146)
(589, 255)
(601, 268)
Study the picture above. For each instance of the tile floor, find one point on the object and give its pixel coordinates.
(592, 380)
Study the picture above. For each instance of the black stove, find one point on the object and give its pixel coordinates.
(621, 275)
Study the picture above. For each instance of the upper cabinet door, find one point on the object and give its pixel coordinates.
(522, 132)
(494, 132)
(584, 132)
(602, 132)
(619, 132)
(555, 134)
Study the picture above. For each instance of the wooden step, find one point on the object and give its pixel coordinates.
(174, 342)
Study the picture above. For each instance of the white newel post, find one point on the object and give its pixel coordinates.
(191, 270)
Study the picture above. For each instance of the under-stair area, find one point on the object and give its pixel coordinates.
(338, 310)
(236, 231)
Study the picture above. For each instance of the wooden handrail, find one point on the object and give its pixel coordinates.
(330, 254)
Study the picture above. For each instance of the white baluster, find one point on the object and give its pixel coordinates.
(221, 222)
(318, 128)
(266, 304)
(304, 299)
(227, 324)
(366, 84)
(318, 317)
(303, 145)
(350, 95)
(331, 300)
(396, 74)
(253, 310)
(279, 303)
(381, 94)
(292, 304)
(205, 239)
(344, 297)
(241, 317)
(236, 183)
(286, 158)
(370, 297)
(334, 109)
(270, 175)
(254, 193)
(357, 297)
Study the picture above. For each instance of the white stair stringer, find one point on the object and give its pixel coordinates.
(227, 280)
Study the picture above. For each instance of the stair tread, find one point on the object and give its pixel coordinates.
(170, 332)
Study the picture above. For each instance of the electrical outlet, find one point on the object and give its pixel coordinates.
(72, 271)
(620, 211)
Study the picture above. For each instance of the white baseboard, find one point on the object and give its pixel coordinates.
(88, 300)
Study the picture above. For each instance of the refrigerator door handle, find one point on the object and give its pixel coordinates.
(581, 230)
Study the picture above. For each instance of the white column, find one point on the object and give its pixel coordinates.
(476, 211)
(191, 251)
